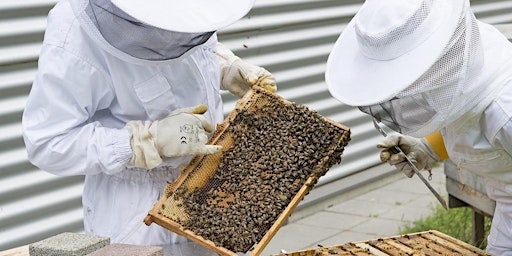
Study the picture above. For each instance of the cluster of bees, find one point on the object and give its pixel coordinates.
(276, 149)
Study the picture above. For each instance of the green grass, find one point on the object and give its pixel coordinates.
(456, 222)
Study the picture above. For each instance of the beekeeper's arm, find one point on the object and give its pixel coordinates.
(423, 152)
(59, 135)
(237, 76)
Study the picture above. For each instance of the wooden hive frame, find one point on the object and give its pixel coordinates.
(190, 179)
(430, 242)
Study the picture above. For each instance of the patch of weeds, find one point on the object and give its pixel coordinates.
(456, 222)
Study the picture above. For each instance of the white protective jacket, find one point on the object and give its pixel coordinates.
(486, 148)
(83, 95)
(482, 143)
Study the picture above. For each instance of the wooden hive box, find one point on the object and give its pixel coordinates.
(274, 152)
(422, 243)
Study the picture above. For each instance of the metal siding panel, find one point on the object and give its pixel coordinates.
(291, 38)
(33, 204)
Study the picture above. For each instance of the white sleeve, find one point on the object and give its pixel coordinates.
(499, 121)
(58, 134)
(504, 137)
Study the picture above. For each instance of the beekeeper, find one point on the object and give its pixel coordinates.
(126, 93)
(421, 66)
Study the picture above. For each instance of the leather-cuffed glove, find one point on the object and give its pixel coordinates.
(238, 76)
(417, 150)
(183, 132)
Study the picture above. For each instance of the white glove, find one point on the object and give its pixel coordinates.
(417, 150)
(183, 132)
(238, 76)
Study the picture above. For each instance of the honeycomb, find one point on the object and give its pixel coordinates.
(274, 153)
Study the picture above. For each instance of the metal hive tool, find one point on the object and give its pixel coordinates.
(379, 126)
(274, 153)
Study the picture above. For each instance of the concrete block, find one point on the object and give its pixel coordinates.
(129, 250)
(68, 244)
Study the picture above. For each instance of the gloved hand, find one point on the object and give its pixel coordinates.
(238, 76)
(417, 150)
(181, 133)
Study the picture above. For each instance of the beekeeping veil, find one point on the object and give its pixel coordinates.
(418, 65)
(157, 29)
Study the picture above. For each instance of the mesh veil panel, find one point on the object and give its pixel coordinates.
(138, 39)
(414, 109)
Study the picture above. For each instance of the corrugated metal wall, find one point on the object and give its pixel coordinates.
(33, 204)
(291, 38)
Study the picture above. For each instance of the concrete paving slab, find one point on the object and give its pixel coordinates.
(68, 244)
(331, 220)
(415, 185)
(346, 237)
(292, 237)
(428, 201)
(407, 213)
(128, 250)
(379, 227)
(407, 185)
(387, 197)
(361, 208)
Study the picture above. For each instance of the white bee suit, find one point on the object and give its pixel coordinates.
(85, 92)
(486, 148)
(483, 144)
(462, 87)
